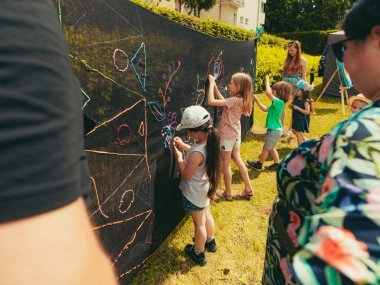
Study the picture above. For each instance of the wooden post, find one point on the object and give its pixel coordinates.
(343, 93)
(324, 89)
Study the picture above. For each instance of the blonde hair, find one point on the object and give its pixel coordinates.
(245, 83)
(283, 90)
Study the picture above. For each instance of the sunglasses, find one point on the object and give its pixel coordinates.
(339, 48)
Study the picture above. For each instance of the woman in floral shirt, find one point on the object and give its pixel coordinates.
(329, 190)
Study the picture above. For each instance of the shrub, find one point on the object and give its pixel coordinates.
(271, 59)
(313, 42)
(271, 49)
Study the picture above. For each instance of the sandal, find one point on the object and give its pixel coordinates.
(246, 194)
(222, 194)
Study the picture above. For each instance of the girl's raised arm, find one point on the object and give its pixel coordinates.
(268, 90)
(211, 100)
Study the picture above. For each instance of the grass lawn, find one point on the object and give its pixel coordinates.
(240, 226)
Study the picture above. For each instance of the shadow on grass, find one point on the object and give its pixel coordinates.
(169, 258)
(323, 111)
(255, 136)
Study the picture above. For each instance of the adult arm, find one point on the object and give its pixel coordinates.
(339, 238)
(46, 236)
(219, 101)
(282, 72)
(304, 67)
(57, 247)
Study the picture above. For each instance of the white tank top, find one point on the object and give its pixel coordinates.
(195, 189)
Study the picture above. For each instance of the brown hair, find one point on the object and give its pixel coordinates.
(245, 83)
(283, 90)
(290, 65)
(214, 168)
(306, 96)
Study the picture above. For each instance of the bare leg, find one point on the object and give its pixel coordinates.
(290, 124)
(274, 154)
(226, 156)
(242, 169)
(298, 136)
(199, 220)
(263, 155)
(210, 224)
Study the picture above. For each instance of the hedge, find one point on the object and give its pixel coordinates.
(271, 49)
(313, 42)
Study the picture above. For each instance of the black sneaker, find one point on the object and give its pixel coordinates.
(255, 165)
(210, 246)
(272, 167)
(199, 259)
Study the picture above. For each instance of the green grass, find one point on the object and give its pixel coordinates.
(240, 226)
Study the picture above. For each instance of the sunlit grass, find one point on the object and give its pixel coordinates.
(240, 226)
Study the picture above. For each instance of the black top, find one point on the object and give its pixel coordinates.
(43, 165)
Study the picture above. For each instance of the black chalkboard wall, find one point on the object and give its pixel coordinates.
(138, 71)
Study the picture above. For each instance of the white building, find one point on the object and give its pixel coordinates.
(247, 14)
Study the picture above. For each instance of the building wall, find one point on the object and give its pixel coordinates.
(249, 16)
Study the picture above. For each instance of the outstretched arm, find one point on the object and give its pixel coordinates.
(45, 232)
(220, 101)
(57, 247)
(261, 106)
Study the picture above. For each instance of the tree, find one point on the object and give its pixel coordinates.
(205, 5)
(199, 5)
(303, 15)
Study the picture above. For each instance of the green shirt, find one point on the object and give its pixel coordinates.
(275, 110)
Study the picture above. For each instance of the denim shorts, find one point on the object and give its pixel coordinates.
(293, 80)
(188, 206)
(271, 139)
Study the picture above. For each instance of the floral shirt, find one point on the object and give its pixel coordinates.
(229, 124)
(340, 234)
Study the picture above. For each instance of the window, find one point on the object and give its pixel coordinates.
(262, 7)
(241, 20)
(246, 21)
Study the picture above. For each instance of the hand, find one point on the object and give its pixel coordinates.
(178, 142)
(290, 106)
(211, 79)
(177, 153)
(266, 78)
(255, 98)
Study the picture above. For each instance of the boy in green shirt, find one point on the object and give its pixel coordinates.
(279, 95)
